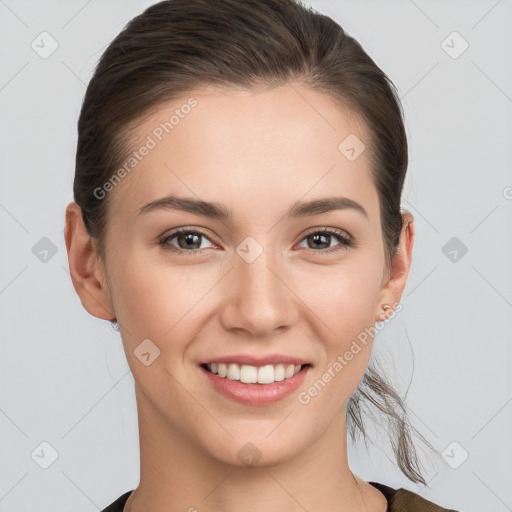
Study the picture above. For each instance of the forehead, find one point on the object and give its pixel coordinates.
(271, 143)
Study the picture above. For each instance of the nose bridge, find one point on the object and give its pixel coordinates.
(258, 300)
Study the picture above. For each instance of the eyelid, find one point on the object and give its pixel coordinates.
(347, 241)
(185, 229)
(340, 232)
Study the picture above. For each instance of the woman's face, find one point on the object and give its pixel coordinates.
(261, 282)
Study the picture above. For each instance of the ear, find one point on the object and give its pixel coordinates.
(86, 268)
(396, 277)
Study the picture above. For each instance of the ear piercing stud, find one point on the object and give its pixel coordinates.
(386, 308)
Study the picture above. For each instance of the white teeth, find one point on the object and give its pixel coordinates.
(279, 372)
(233, 371)
(289, 371)
(266, 374)
(222, 370)
(251, 374)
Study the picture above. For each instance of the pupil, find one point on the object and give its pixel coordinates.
(188, 238)
(316, 237)
(191, 237)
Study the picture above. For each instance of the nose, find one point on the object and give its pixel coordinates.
(258, 297)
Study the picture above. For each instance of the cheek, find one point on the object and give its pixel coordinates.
(347, 311)
(156, 300)
(151, 296)
(345, 297)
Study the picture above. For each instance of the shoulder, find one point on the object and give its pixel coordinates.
(399, 500)
(118, 504)
(403, 500)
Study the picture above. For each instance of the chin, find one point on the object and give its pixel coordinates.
(258, 453)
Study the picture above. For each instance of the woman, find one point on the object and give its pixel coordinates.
(237, 214)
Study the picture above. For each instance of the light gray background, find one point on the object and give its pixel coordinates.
(64, 379)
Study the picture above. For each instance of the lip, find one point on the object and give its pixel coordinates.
(256, 394)
(257, 360)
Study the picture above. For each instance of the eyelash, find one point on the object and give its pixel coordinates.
(345, 242)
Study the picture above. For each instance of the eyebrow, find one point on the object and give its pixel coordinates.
(218, 211)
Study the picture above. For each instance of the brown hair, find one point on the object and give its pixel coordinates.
(176, 46)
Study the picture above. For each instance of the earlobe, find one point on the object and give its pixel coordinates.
(392, 290)
(85, 267)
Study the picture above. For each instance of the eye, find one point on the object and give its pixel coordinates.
(324, 236)
(186, 238)
(189, 240)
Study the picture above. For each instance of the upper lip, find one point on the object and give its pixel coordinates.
(262, 360)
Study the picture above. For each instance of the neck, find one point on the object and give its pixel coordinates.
(176, 475)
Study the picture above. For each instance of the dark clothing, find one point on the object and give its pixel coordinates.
(399, 500)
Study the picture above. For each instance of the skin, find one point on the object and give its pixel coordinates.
(255, 152)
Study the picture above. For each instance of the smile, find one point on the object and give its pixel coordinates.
(248, 374)
(255, 385)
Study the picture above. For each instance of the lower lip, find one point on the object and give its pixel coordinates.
(256, 394)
